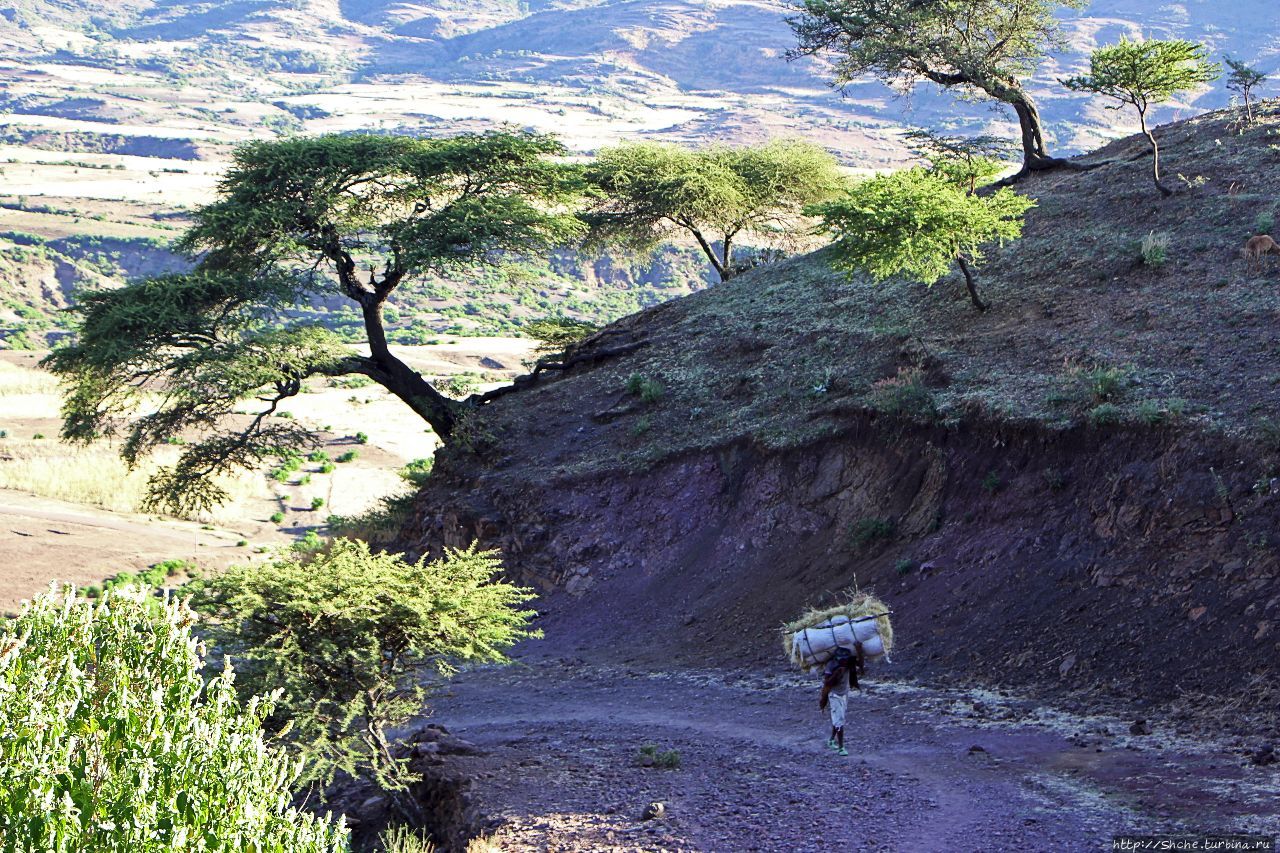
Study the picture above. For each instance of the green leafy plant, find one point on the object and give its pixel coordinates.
(651, 755)
(869, 530)
(992, 482)
(356, 639)
(112, 738)
(556, 334)
(316, 503)
(349, 456)
(1244, 79)
(647, 389)
(362, 438)
(1155, 249)
(905, 395)
(277, 517)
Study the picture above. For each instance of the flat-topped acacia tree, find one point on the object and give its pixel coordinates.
(985, 47)
(354, 215)
(649, 192)
(1141, 74)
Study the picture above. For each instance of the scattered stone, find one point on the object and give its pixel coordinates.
(1139, 727)
(1068, 662)
(975, 749)
(654, 811)
(1265, 756)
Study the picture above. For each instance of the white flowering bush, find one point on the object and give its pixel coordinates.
(112, 741)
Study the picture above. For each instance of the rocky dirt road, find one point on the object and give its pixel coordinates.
(930, 769)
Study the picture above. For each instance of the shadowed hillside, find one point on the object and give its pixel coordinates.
(1065, 490)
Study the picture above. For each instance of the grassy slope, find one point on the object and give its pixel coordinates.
(783, 355)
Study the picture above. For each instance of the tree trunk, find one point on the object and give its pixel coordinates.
(969, 284)
(1155, 154)
(1035, 155)
(721, 269)
(402, 380)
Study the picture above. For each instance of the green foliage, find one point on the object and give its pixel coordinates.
(975, 46)
(277, 518)
(1155, 249)
(917, 223)
(869, 530)
(556, 334)
(296, 218)
(362, 438)
(1105, 414)
(316, 503)
(354, 639)
(648, 192)
(992, 483)
(967, 162)
(418, 471)
(402, 839)
(647, 389)
(326, 468)
(112, 740)
(1140, 74)
(904, 395)
(349, 456)
(904, 566)
(1244, 79)
(317, 456)
(651, 755)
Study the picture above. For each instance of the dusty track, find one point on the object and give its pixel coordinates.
(559, 771)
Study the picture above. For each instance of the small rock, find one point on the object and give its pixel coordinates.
(1265, 756)
(1139, 727)
(1066, 665)
(372, 803)
(653, 811)
(975, 749)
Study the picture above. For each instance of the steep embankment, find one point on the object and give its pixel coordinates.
(1076, 489)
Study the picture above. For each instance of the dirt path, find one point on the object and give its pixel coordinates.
(929, 769)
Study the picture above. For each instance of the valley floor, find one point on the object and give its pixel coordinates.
(929, 769)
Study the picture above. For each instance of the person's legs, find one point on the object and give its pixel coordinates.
(837, 706)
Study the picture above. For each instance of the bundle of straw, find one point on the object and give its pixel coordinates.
(860, 604)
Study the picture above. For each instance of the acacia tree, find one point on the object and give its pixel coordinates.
(1140, 74)
(356, 216)
(1244, 79)
(648, 192)
(967, 161)
(919, 223)
(982, 47)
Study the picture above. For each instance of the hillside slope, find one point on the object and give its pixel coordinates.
(1073, 489)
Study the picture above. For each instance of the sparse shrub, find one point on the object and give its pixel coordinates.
(869, 530)
(38, 436)
(1106, 383)
(91, 591)
(1268, 432)
(349, 456)
(318, 456)
(242, 543)
(362, 438)
(992, 483)
(115, 740)
(277, 517)
(460, 385)
(355, 639)
(1155, 249)
(305, 480)
(905, 566)
(651, 755)
(556, 334)
(418, 471)
(1157, 412)
(1105, 414)
(640, 427)
(1055, 479)
(648, 390)
(316, 503)
(288, 416)
(904, 395)
(326, 468)
(309, 543)
(402, 839)
(1264, 223)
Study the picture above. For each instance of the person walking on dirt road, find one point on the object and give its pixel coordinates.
(840, 672)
